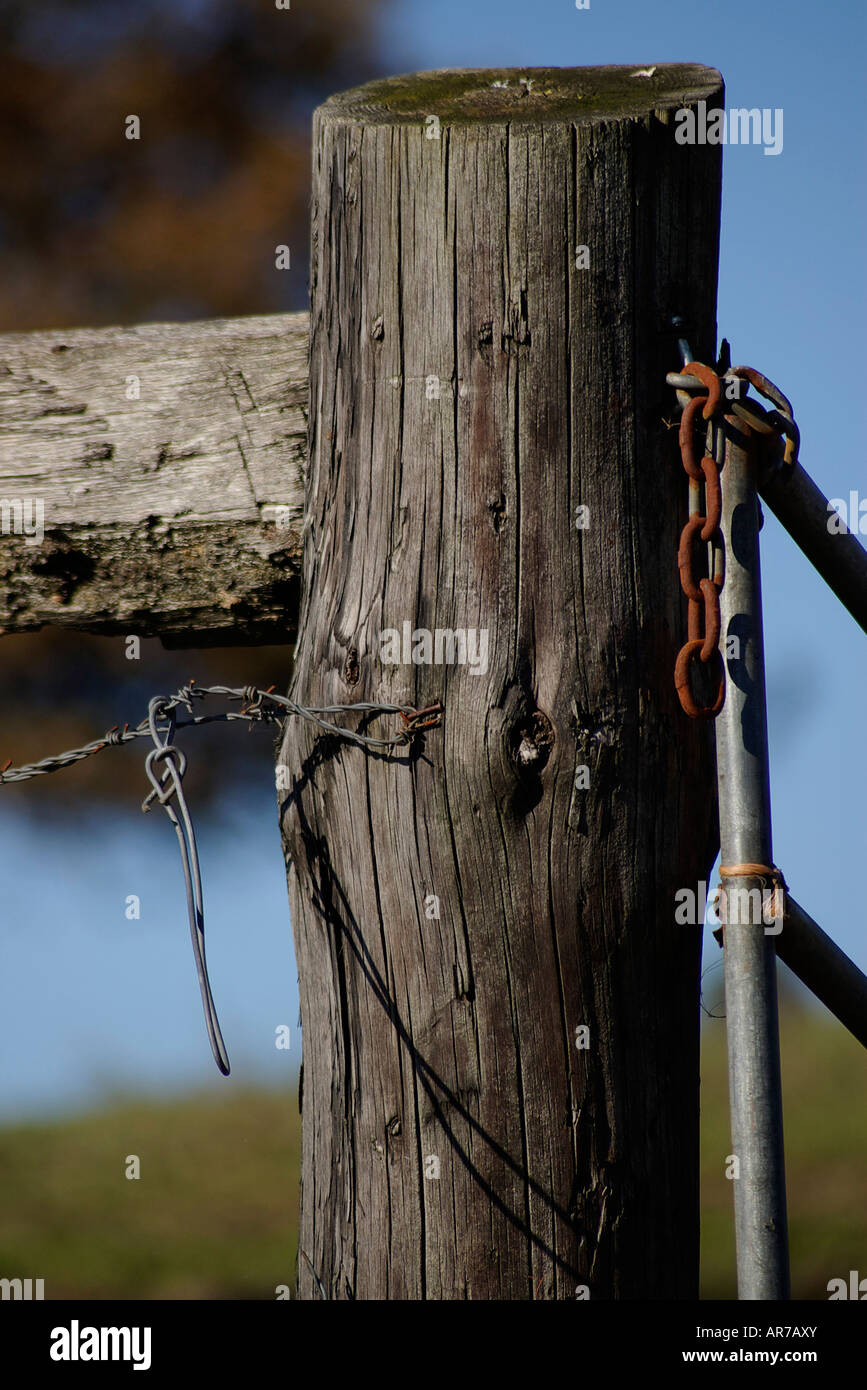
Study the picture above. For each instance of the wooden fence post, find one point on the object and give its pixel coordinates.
(500, 1016)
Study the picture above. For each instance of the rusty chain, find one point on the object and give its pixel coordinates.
(703, 620)
(767, 422)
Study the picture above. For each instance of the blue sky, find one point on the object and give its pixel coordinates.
(792, 303)
(92, 1003)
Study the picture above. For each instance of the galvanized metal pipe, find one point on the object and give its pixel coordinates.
(824, 968)
(750, 955)
(804, 510)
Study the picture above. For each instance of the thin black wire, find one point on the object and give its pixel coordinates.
(717, 965)
(261, 706)
(171, 785)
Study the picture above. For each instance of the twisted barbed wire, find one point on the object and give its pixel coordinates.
(161, 724)
(262, 706)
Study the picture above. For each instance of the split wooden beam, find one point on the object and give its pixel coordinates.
(166, 462)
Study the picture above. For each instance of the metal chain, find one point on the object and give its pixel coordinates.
(703, 594)
(779, 422)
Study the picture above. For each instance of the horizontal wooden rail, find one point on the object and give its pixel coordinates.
(151, 478)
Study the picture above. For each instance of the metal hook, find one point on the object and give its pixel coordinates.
(165, 788)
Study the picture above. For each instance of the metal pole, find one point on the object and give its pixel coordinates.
(824, 968)
(750, 955)
(804, 510)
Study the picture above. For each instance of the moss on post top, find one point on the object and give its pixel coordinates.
(498, 95)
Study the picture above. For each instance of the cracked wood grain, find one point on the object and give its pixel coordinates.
(169, 461)
(460, 912)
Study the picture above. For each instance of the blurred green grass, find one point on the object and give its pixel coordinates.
(215, 1212)
(824, 1074)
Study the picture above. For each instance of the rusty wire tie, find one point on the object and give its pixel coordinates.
(767, 874)
(258, 706)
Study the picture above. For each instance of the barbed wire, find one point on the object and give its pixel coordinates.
(161, 724)
(261, 706)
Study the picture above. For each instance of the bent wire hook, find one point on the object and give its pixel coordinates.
(166, 787)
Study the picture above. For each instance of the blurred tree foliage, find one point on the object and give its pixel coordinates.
(182, 223)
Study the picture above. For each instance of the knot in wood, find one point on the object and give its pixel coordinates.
(351, 669)
(528, 752)
(532, 741)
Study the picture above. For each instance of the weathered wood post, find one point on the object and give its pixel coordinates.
(500, 1017)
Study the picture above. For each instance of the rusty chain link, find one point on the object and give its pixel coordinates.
(703, 622)
(703, 628)
(779, 422)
